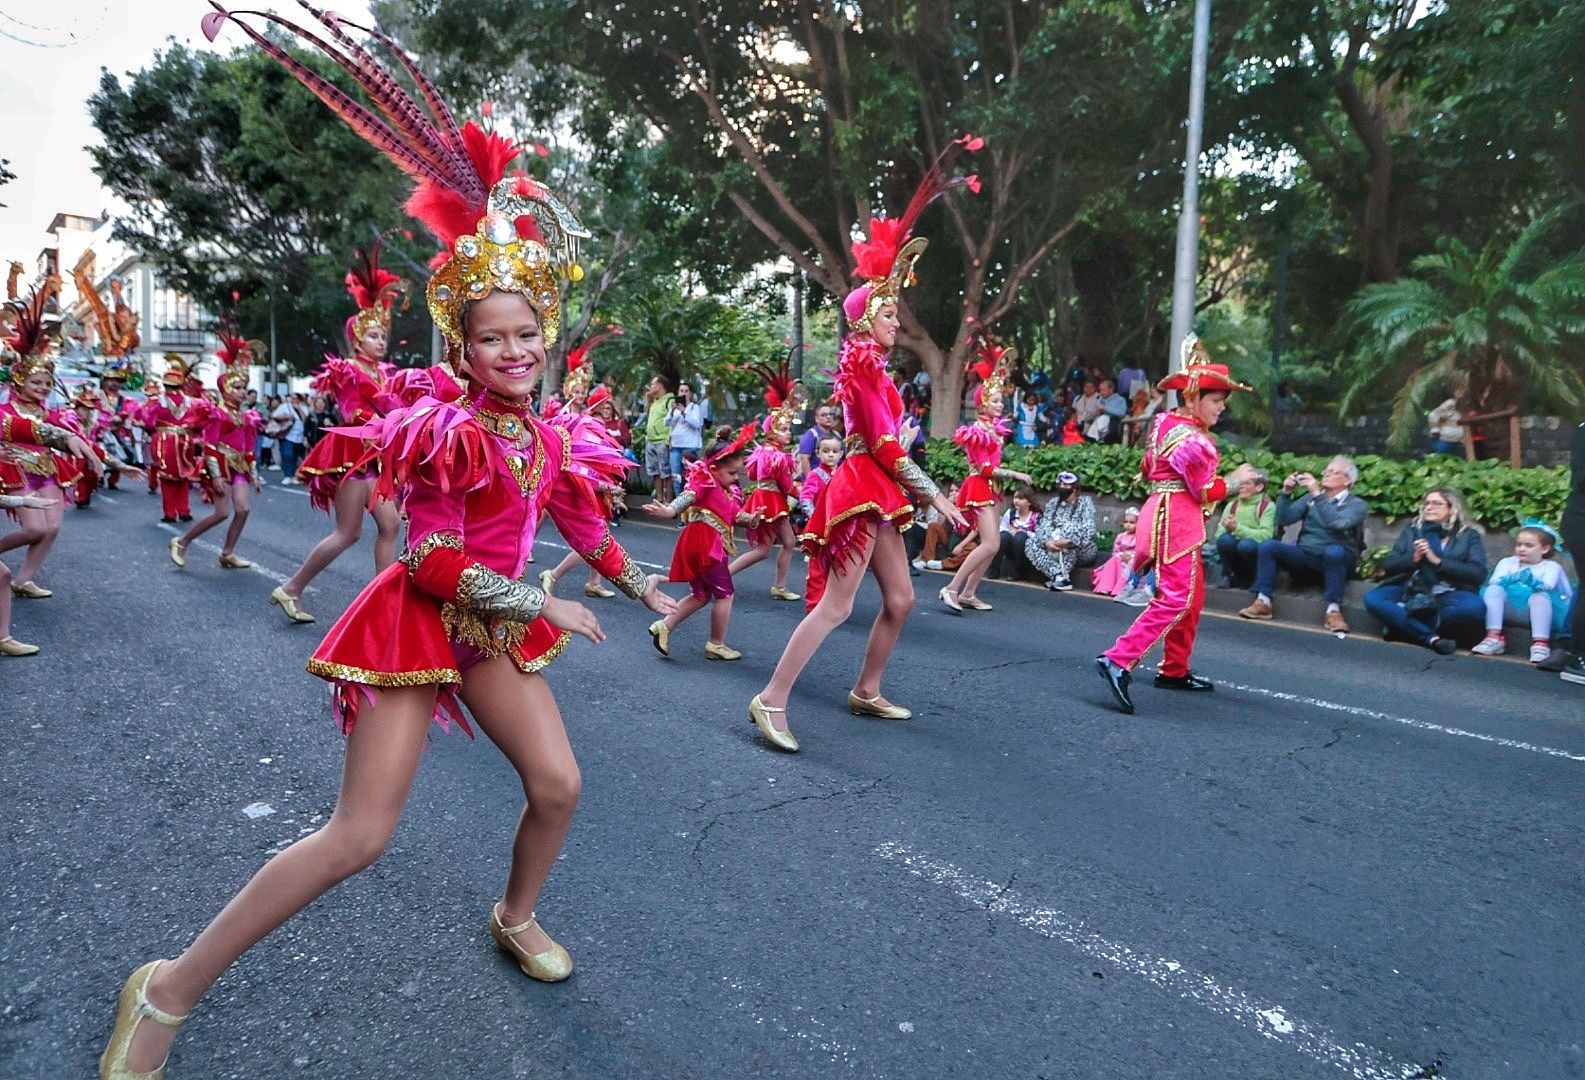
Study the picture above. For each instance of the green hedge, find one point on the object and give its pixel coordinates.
(1496, 495)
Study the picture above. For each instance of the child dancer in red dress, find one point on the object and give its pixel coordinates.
(772, 491)
(710, 510)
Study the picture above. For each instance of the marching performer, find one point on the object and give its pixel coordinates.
(175, 460)
(855, 524)
(41, 450)
(10, 646)
(121, 412)
(94, 423)
(710, 510)
(978, 498)
(772, 491)
(117, 328)
(451, 624)
(340, 471)
(828, 455)
(227, 434)
(1180, 462)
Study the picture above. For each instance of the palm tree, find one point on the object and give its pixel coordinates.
(1494, 323)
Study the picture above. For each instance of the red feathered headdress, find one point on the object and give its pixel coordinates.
(993, 364)
(30, 340)
(783, 395)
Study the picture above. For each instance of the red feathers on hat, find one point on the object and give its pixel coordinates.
(29, 336)
(875, 256)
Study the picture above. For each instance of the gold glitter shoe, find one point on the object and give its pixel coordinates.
(234, 562)
(10, 646)
(661, 634)
(759, 714)
(713, 651)
(974, 603)
(547, 582)
(135, 1007)
(552, 965)
(178, 556)
(29, 591)
(598, 591)
(785, 594)
(284, 600)
(871, 707)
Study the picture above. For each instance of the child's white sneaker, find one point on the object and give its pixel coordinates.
(1540, 652)
(1491, 645)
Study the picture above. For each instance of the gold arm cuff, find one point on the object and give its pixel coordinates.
(632, 580)
(415, 556)
(912, 477)
(682, 502)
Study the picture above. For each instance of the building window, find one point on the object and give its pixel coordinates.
(175, 311)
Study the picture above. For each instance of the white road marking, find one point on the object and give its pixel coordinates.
(564, 547)
(1266, 1018)
(797, 1031)
(1423, 725)
(262, 571)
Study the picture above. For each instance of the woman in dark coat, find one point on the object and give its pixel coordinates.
(1431, 594)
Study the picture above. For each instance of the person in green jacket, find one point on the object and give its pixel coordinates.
(1248, 519)
(657, 437)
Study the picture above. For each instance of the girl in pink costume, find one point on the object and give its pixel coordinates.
(227, 434)
(772, 491)
(982, 443)
(1112, 576)
(710, 509)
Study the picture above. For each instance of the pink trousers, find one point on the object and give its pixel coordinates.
(1174, 614)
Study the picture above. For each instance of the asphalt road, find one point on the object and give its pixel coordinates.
(1352, 860)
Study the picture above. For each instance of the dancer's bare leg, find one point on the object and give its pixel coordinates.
(572, 559)
(33, 525)
(351, 498)
(889, 564)
(519, 714)
(34, 559)
(831, 612)
(720, 616)
(784, 535)
(685, 607)
(383, 752)
(753, 555)
(221, 504)
(387, 528)
(242, 506)
(5, 601)
(978, 562)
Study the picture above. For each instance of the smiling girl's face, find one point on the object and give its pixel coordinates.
(503, 349)
(36, 387)
(883, 328)
(373, 343)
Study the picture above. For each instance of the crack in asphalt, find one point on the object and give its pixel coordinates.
(1337, 737)
(860, 792)
(952, 681)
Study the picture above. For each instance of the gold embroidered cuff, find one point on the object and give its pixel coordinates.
(415, 556)
(600, 549)
(53, 436)
(912, 477)
(632, 580)
(682, 502)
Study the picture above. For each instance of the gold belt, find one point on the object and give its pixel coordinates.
(857, 445)
(1168, 486)
(170, 429)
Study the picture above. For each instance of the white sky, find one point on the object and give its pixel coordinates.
(50, 55)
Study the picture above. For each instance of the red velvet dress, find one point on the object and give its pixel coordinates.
(705, 541)
(772, 490)
(226, 438)
(34, 465)
(473, 481)
(865, 487)
(982, 444)
(337, 455)
(174, 456)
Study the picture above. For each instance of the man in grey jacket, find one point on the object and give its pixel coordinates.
(1330, 519)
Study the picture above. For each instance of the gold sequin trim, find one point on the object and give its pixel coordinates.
(854, 511)
(632, 580)
(563, 639)
(347, 673)
(715, 522)
(490, 636)
(414, 557)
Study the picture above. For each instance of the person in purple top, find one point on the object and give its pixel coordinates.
(825, 425)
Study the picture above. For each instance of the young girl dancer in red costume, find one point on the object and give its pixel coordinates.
(711, 510)
(979, 500)
(772, 491)
(340, 471)
(855, 524)
(452, 624)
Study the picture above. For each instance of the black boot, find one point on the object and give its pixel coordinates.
(1191, 681)
(1117, 680)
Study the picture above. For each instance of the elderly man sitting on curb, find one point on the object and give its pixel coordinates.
(1330, 519)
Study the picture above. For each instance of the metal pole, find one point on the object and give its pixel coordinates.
(275, 357)
(1188, 256)
(1278, 318)
(798, 322)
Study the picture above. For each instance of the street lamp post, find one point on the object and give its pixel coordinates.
(1188, 253)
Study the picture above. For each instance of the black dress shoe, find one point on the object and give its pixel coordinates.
(186, 517)
(1117, 680)
(1191, 681)
(168, 520)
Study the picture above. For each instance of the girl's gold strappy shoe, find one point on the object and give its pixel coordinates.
(760, 715)
(552, 965)
(135, 1007)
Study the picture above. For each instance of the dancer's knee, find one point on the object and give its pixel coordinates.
(898, 605)
(553, 793)
(351, 848)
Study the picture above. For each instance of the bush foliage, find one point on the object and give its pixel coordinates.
(1496, 495)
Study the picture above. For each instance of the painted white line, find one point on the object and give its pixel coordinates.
(564, 547)
(262, 571)
(1423, 725)
(1266, 1018)
(840, 1053)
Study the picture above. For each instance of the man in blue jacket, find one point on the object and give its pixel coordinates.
(1574, 537)
(1331, 534)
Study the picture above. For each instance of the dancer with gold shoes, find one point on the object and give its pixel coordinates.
(710, 510)
(341, 470)
(42, 452)
(772, 491)
(855, 525)
(452, 624)
(1180, 462)
(174, 453)
(227, 434)
(978, 497)
(10, 646)
(582, 413)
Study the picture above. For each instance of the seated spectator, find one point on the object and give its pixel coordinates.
(1018, 521)
(1026, 420)
(937, 533)
(1438, 561)
(1107, 424)
(1249, 519)
(1086, 406)
(1447, 433)
(1131, 380)
(1570, 665)
(1330, 519)
(1064, 537)
(1112, 577)
(1530, 582)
